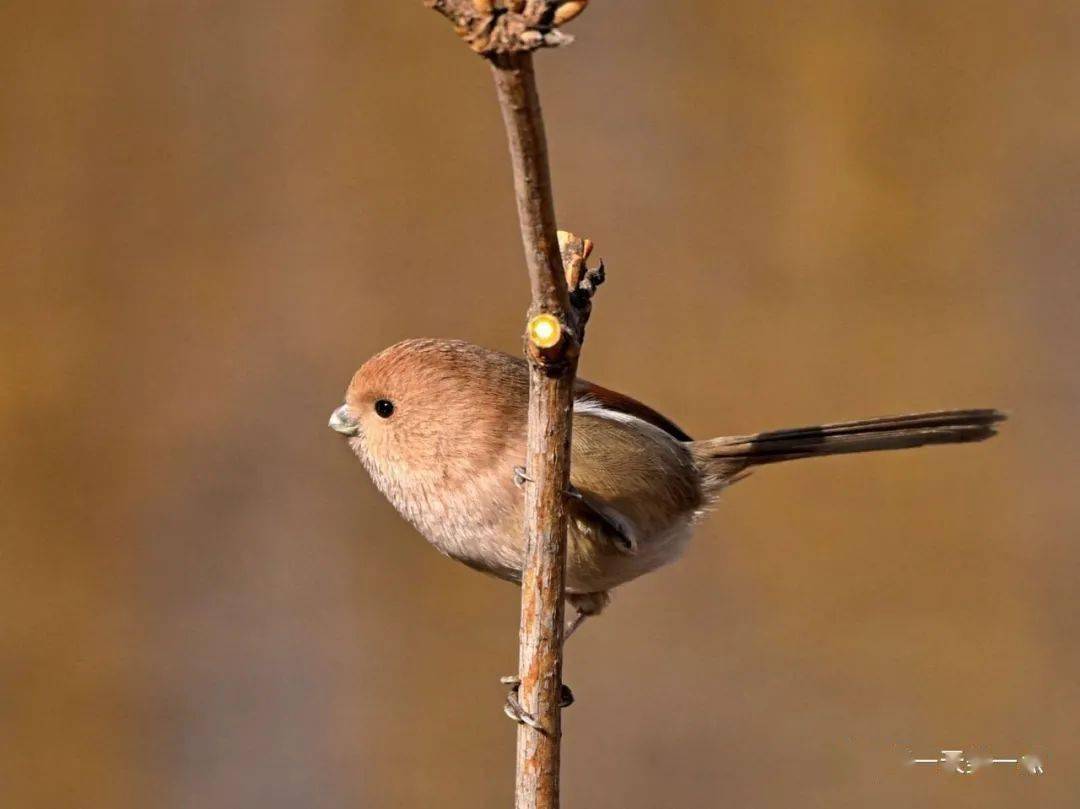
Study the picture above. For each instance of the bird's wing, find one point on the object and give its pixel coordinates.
(613, 401)
(632, 477)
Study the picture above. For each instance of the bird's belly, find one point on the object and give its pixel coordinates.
(593, 564)
(480, 547)
(476, 522)
(483, 527)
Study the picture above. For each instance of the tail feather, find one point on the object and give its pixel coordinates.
(721, 459)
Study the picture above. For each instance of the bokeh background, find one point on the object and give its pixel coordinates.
(213, 212)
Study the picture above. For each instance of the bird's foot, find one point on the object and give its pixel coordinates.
(513, 708)
(520, 479)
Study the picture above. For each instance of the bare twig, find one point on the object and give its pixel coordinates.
(506, 32)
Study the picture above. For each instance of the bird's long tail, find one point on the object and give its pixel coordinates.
(722, 460)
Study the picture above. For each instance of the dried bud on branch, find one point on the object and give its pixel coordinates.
(581, 280)
(494, 27)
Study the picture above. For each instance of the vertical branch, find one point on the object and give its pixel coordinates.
(551, 380)
(506, 31)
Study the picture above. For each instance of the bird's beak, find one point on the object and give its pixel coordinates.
(342, 421)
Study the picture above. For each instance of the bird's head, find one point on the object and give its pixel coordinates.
(430, 408)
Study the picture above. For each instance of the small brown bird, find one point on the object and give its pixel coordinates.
(440, 426)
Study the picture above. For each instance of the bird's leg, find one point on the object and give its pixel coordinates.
(585, 606)
(513, 708)
(573, 624)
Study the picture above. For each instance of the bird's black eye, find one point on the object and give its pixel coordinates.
(385, 408)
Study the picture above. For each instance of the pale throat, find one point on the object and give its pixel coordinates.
(428, 494)
(460, 511)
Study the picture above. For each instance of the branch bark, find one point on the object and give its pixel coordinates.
(506, 33)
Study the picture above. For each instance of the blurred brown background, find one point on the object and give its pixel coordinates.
(213, 212)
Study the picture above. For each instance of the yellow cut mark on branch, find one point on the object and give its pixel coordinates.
(544, 331)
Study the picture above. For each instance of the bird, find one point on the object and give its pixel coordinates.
(440, 426)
